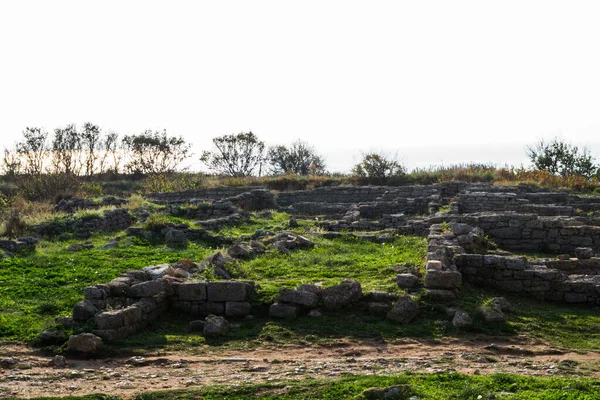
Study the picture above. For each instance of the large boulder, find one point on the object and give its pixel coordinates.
(215, 326)
(84, 343)
(176, 238)
(341, 296)
(461, 320)
(405, 310)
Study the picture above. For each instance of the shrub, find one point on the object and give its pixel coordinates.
(378, 169)
(156, 223)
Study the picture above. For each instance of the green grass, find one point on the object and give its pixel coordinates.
(446, 386)
(36, 288)
(331, 261)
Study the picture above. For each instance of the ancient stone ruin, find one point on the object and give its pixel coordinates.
(471, 231)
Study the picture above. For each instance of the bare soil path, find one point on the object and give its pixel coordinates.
(26, 373)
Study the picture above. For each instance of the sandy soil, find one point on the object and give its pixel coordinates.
(26, 373)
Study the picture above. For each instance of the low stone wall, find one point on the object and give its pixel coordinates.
(138, 298)
(218, 193)
(515, 274)
(368, 194)
(203, 210)
(542, 203)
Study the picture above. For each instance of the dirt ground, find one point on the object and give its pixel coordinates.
(26, 373)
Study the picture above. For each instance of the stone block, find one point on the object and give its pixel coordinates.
(84, 310)
(405, 309)
(571, 297)
(227, 291)
(109, 320)
(283, 310)
(192, 291)
(299, 297)
(407, 281)
(209, 307)
(379, 308)
(343, 295)
(146, 289)
(510, 285)
(237, 309)
(442, 279)
(440, 295)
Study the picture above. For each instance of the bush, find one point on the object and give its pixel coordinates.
(44, 187)
(378, 169)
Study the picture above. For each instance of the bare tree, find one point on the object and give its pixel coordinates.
(153, 152)
(33, 149)
(90, 142)
(111, 154)
(11, 163)
(66, 149)
(235, 155)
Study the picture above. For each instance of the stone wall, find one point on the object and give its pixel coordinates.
(218, 193)
(452, 258)
(541, 203)
(367, 194)
(127, 304)
(517, 275)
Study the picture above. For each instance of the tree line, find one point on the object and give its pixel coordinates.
(88, 151)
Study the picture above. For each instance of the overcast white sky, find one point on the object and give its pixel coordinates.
(435, 81)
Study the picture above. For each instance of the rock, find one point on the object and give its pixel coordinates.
(435, 279)
(237, 309)
(196, 326)
(440, 295)
(227, 291)
(460, 229)
(52, 336)
(215, 326)
(407, 281)
(434, 265)
(293, 223)
(111, 245)
(461, 320)
(492, 314)
(404, 310)
(314, 314)
(147, 289)
(310, 288)
(84, 343)
(242, 252)
(59, 361)
(221, 273)
(584, 253)
(80, 246)
(192, 291)
(396, 392)
(300, 297)
(381, 297)
(257, 247)
(501, 303)
(283, 310)
(176, 238)
(343, 295)
(379, 308)
(83, 311)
